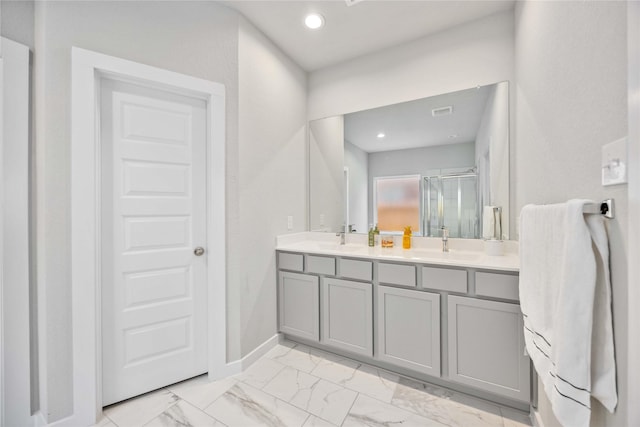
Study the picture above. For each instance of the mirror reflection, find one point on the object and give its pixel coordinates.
(435, 162)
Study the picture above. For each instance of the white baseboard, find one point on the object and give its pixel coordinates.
(535, 418)
(232, 368)
(259, 351)
(240, 365)
(40, 421)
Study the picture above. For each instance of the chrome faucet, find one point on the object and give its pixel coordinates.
(445, 239)
(342, 235)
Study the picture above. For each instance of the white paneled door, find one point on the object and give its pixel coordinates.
(153, 210)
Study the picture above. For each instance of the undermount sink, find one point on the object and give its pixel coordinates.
(396, 252)
(331, 246)
(350, 247)
(427, 251)
(451, 255)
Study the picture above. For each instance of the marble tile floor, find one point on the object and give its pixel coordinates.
(294, 385)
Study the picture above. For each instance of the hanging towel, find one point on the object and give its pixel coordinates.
(565, 296)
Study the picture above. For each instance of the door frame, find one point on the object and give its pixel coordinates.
(2, 381)
(633, 141)
(15, 285)
(88, 68)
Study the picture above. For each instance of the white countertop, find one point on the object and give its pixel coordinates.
(425, 250)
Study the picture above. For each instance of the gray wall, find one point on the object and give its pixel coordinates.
(264, 153)
(633, 49)
(271, 183)
(16, 21)
(17, 24)
(421, 160)
(571, 99)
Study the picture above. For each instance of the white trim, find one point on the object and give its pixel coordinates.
(536, 419)
(39, 420)
(633, 40)
(87, 69)
(260, 351)
(72, 421)
(1, 246)
(16, 366)
(241, 365)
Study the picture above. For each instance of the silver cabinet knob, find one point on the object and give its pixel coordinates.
(199, 251)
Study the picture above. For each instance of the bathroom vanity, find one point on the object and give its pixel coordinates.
(452, 319)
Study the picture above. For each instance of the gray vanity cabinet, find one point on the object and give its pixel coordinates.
(408, 329)
(347, 315)
(458, 326)
(299, 305)
(486, 346)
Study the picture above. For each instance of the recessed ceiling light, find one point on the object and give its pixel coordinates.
(453, 136)
(381, 135)
(314, 21)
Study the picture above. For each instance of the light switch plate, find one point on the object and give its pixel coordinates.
(289, 223)
(614, 163)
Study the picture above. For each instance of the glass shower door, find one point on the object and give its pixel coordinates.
(432, 208)
(452, 201)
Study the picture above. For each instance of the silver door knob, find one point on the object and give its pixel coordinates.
(199, 251)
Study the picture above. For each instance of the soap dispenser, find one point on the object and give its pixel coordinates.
(372, 236)
(406, 238)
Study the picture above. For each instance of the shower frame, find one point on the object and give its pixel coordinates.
(427, 204)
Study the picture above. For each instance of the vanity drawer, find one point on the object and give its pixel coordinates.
(497, 285)
(321, 265)
(354, 269)
(287, 261)
(397, 274)
(444, 279)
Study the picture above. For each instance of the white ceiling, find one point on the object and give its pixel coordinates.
(411, 124)
(352, 31)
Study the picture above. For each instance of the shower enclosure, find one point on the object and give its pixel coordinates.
(451, 201)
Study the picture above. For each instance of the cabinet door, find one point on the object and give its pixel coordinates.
(409, 329)
(486, 346)
(299, 305)
(347, 315)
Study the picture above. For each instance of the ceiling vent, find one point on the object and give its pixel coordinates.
(442, 111)
(352, 2)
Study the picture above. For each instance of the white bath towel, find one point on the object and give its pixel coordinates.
(565, 296)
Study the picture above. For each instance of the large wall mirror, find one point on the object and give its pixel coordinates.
(435, 162)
